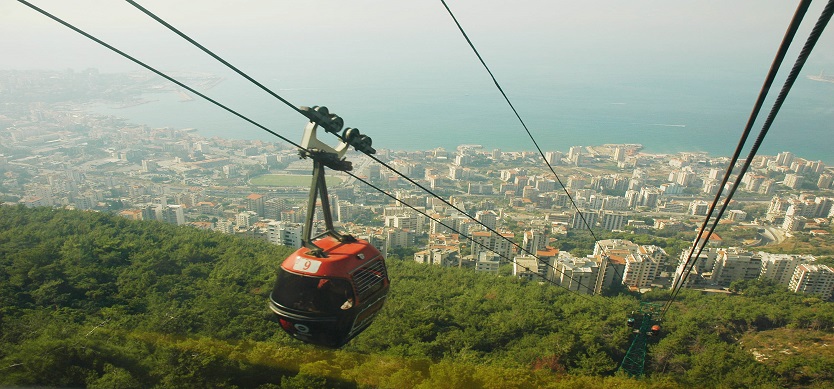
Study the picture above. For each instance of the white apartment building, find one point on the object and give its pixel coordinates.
(576, 274)
(700, 270)
(735, 264)
(440, 257)
(484, 241)
(640, 271)
(698, 208)
(793, 181)
(487, 262)
(581, 218)
(488, 218)
(816, 279)
(780, 267)
(643, 266)
(528, 267)
(284, 233)
(612, 220)
(396, 237)
(534, 240)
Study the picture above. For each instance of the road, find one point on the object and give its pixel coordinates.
(363, 162)
(771, 235)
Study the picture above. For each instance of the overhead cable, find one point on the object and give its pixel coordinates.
(155, 71)
(813, 37)
(370, 155)
(161, 74)
(213, 55)
(529, 134)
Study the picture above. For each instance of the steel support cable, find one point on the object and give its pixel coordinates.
(161, 74)
(529, 134)
(796, 21)
(813, 37)
(490, 229)
(157, 72)
(823, 20)
(215, 56)
(465, 236)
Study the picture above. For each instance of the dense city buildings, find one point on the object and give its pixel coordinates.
(515, 215)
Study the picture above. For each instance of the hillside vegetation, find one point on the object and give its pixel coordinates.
(88, 299)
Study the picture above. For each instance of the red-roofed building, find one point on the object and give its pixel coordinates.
(255, 203)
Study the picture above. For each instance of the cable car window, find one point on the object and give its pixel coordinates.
(313, 294)
(369, 279)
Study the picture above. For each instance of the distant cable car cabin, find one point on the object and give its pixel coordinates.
(330, 290)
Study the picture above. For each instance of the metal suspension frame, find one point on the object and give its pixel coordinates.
(318, 188)
(325, 156)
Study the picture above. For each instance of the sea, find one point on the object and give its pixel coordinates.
(688, 115)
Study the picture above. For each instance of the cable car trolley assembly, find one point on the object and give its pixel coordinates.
(645, 323)
(329, 290)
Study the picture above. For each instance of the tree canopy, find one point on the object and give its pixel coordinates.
(89, 299)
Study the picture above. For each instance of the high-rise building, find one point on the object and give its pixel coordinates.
(816, 279)
(273, 208)
(576, 182)
(285, 233)
(784, 158)
(487, 262)
(584, 220)
(572, 273)
(255, 203)
(488, 218)
(575, 154)
(825, 181)
(649, 196)
(735, 264)
(440, 257)
(173, 214)
(553, 157)
(698, 208)
(485, 241)
(612, 220)
(780, 267)
(247, 219)
(793, 181)
(396, 237)
(768, 187)
(406, 221)
(640, 270)
(699, 270)
(619, 154)
(534, 240)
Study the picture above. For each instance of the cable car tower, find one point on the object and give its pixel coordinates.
(645, 325)
(329, 290)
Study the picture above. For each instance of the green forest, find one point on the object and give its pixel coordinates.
(93, 300)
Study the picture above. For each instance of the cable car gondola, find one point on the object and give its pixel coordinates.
(328, 301)
(329, 290)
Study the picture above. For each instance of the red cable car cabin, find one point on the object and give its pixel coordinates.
(329, 291)
(329, 300)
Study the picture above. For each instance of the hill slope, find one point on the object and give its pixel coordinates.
(88, 299)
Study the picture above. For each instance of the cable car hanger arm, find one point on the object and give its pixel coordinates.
(324, 155)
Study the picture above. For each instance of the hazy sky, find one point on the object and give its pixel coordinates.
(378, 35)
(536, 48)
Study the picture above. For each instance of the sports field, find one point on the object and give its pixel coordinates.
(290, 180)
